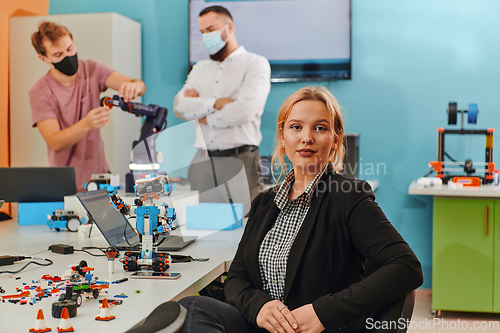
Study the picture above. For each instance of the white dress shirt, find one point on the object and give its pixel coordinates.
(244, 77)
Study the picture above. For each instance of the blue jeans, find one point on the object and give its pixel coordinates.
(209, 315)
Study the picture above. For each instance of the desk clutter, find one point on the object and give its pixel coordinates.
(69, 292)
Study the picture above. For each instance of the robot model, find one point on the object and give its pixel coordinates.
(152, 222)
(103, 180)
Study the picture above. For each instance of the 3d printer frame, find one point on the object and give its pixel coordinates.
(439, 165)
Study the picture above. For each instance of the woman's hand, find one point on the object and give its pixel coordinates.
(307, 319)
(272, 319)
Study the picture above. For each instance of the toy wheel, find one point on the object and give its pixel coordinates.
(73, 225)
(77, 299)
(472, 113)
(130, 261)
(57, 229)
(452, 113)
(95, 293)
(92, 186)
(161, 261)
(62, 297)
(107, 101)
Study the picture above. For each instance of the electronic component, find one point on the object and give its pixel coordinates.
(62, 248)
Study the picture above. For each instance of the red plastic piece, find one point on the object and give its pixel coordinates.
(23, 294)
(108, 101)
(51, 278)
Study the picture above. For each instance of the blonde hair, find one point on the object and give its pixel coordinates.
(312, 93)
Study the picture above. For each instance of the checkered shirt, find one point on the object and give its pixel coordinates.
(275, 248)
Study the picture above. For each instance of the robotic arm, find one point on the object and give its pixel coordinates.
(155, 115)
(144, 156)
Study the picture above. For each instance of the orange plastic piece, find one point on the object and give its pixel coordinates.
(437, 166)
(51, 278)
(467, 181)
(23, 294)
(40, 323)
(99, 286)
(64, 323)
(489, 177)
(108, 101)
(104, 313)
(440, 129)
(490, 130)
(491, 167)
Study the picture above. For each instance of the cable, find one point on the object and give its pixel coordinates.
(125, 233)
(428, 173)
(86, 248)
(454, 160)
(49, 262)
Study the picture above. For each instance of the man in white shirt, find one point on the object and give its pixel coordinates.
(226, 95)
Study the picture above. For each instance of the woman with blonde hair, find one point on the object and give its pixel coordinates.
(300, 263)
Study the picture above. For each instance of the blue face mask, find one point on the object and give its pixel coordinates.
(213, 41)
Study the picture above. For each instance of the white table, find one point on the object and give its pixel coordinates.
(34, 241)
(484, 191)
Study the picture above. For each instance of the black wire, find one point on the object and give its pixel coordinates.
(454, 160)
(50, 262)
(428, 173)
(125, 232)
(86, 248)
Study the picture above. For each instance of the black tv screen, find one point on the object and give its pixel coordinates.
(304, 40)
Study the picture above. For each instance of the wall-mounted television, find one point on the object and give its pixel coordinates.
(304, 40)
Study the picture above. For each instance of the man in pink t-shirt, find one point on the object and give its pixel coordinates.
(65, 102)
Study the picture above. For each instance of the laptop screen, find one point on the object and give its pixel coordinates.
(36, 184)
(111, 222)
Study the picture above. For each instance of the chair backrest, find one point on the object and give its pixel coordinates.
(393, 317)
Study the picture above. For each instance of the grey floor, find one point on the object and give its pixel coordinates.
(424, 321)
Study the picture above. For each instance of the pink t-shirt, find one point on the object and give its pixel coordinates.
(50, 99)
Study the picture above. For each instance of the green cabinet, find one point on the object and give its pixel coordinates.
(465, 260)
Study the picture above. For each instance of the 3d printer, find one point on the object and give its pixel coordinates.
(447, 170)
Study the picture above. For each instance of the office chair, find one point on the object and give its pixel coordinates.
(396, 313)
(392, 312)
(168, 317)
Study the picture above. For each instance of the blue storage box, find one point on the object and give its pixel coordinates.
(214, 216)
(29, 213)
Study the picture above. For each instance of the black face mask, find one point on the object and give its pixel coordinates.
(67, 66)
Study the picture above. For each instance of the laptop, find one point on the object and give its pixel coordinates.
(115, 227)
(36, 184)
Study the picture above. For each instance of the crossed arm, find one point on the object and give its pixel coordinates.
(225, 112)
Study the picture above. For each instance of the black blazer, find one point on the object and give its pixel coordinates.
(343, 227)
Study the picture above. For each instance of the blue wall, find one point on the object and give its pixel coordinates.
(410, 58)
